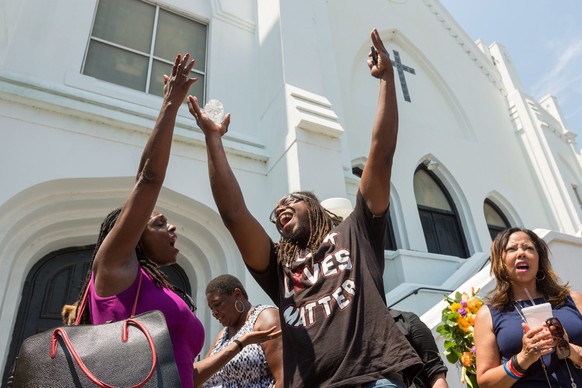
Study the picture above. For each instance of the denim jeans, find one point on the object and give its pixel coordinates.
(389, 383)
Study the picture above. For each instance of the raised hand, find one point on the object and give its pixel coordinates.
(206, 124)
(177, 85)
(383, 63)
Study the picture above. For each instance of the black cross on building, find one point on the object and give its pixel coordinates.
(400, 68)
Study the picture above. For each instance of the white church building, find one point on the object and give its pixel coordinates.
(80, 87)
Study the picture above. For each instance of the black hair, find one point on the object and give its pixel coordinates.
(321, 221)
(225, 285)
(160, 279)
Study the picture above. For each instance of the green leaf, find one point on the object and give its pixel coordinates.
(471, 380)
(452, 357)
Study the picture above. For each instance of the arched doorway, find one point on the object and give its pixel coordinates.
(54, 281)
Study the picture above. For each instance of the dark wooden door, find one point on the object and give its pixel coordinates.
(442, 232)
(54, 281)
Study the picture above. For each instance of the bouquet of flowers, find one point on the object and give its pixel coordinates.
(458, 319)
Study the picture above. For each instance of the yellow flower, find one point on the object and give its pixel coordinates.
(473, 305)
(470, 319)
(463, 324)
(458, 320)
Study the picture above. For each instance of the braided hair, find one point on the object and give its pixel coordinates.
(152, 269)
(321, 221)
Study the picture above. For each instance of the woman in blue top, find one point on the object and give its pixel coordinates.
(509, 352)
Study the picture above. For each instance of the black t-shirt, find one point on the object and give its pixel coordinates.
(422, 340)
(337, 330)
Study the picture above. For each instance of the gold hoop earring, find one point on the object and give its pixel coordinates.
(240, 303)
(543, 276)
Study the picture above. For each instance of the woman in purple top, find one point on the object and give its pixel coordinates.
(135, 240)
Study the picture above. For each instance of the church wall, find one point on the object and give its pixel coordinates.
(294, 77)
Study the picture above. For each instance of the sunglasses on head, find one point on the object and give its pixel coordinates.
(285, 201)
(560, 337)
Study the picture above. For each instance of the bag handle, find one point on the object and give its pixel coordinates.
(86, 297)
(124, 338)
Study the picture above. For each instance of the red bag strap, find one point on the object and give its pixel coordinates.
(124, 338)
(134, 308)
(86, 297)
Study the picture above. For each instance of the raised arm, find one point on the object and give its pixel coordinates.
(375, 182)
(251, 238)
(115, 265)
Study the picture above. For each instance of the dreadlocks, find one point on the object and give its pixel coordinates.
(160, 279)
(321, 221)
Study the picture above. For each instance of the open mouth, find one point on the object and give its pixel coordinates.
(522, 267)
(284, 218)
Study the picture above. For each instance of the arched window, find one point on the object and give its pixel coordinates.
(389, 238)
(438, 215)
(496, 220)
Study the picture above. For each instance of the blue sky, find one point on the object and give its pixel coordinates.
(544, 40)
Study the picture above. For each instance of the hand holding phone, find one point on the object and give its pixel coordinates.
(374, 55)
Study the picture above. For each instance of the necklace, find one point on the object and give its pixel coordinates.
(518, 308)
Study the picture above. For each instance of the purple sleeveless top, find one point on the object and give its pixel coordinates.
(186, 330)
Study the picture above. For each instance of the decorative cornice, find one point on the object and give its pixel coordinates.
(467, 45)
(232, 19)
(314, 113)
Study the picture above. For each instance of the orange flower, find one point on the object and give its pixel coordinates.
(455, 307)
(467, 359)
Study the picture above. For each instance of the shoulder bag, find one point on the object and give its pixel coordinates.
(135, 352)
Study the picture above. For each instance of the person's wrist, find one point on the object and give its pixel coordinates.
(519, 367)
(523, 360)
(238, 344)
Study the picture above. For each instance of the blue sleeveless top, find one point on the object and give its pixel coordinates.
(509, 333)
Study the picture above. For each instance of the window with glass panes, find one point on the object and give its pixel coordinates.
(496, 220)
(438, 215)
(134, 43)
